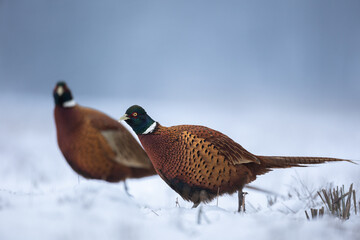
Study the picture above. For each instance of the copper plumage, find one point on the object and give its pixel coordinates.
(199, 162)
(95, 145)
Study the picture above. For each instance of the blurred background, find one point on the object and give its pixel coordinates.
(208, 51)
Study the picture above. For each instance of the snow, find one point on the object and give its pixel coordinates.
(42, 198)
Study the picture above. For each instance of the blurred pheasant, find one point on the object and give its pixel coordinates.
(199, 163)
(95, 145)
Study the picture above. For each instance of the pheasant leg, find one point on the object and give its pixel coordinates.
(241, 196)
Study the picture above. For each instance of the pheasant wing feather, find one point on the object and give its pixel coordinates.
(225, 146)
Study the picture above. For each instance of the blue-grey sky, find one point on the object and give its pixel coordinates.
(183, 49)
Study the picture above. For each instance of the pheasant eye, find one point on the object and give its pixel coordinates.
(135, 114)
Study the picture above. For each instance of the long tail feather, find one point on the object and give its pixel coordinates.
(285, 162)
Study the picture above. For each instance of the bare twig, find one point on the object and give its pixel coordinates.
(314, 213)
(322, 199)
(328, 200)
(271, 200)
(354, 197)
(321, 211)
(348, 202)
(201, 215)
(154, 212)
(289, 208)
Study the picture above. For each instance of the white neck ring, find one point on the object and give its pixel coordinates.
(69, 104)
(150, 129)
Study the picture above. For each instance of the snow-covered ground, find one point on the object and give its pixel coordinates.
(42, 198)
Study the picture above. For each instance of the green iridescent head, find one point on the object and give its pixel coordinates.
(138, 120)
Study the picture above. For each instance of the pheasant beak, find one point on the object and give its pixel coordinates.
(125, 117)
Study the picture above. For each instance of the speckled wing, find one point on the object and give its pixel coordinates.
(221, 143)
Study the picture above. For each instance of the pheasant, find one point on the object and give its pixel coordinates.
(95, 145)
(200, 163)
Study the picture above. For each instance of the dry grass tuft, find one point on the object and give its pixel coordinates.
(337, 202)
(315, 213)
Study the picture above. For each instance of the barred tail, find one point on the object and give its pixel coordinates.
(285, 162)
